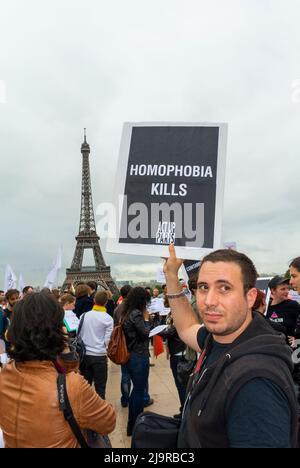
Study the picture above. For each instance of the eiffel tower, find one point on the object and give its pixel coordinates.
(88, 237)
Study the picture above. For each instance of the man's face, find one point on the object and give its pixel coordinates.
(280, 293)
(13, 300)
(155, 292)
(295, 278)
(223, 306)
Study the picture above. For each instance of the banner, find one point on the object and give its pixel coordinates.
(10, 279)
(52, 275)
(170, 188)
(192, 267)
(21, 283)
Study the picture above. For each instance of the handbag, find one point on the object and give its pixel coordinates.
(185, 368)
(153, 430)
(92, 440)
(78, 342)
(117, 349)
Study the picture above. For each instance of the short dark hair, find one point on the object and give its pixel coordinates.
(125, 290)
(93, 285)
(136, 299)
(82, 290)
(101, 298)
(249, 272)
(192, 283)
(11, 292)
(36, 329)
(295, 263)
(26, 289)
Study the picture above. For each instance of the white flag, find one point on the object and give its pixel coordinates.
(268, 297)
(10, 281)
(21, 284)
(52, 275)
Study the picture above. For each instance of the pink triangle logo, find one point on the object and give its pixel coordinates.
(274, 315)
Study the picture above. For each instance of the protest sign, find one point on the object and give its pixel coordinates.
(262, 283)
(169, 188)
(230, 245)
(160, 276)
(192, 267)
(157, 330)
(71, 321)
(156, 305)
(294, 296)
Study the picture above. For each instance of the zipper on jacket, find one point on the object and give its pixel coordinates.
(190, 392)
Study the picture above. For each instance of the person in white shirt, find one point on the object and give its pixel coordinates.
(96, 332)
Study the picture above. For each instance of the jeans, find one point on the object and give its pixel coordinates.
(94, 369)
(138, 369)
(180, 388)
(126, 387)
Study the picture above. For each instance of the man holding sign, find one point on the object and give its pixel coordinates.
(243, 379)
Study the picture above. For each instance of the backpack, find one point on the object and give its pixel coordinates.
(117, 350)
(78, 342)
(185, 368)
(153, 430)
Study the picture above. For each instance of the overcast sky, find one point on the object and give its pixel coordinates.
(69, 64)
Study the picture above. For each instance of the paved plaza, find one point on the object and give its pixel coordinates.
(161, 388)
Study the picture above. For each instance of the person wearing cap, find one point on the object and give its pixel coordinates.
(283, 310)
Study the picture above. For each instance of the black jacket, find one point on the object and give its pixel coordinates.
(175, 345)
(286, 313)
(258, 353)
(137, 333)
(83, 304)
(110, 307)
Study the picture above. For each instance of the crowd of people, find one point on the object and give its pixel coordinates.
(242, 384)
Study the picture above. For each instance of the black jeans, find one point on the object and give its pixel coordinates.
(174, 360)
(94, 369)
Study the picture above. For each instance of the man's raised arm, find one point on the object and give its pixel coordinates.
(182, 312)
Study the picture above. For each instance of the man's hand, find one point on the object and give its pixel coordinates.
(172, 264)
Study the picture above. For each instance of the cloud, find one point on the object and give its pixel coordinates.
(68, 65)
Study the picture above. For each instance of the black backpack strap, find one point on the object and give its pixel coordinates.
(64, 405)
(80, 324)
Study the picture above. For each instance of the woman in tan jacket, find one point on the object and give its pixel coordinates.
(29, 409)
